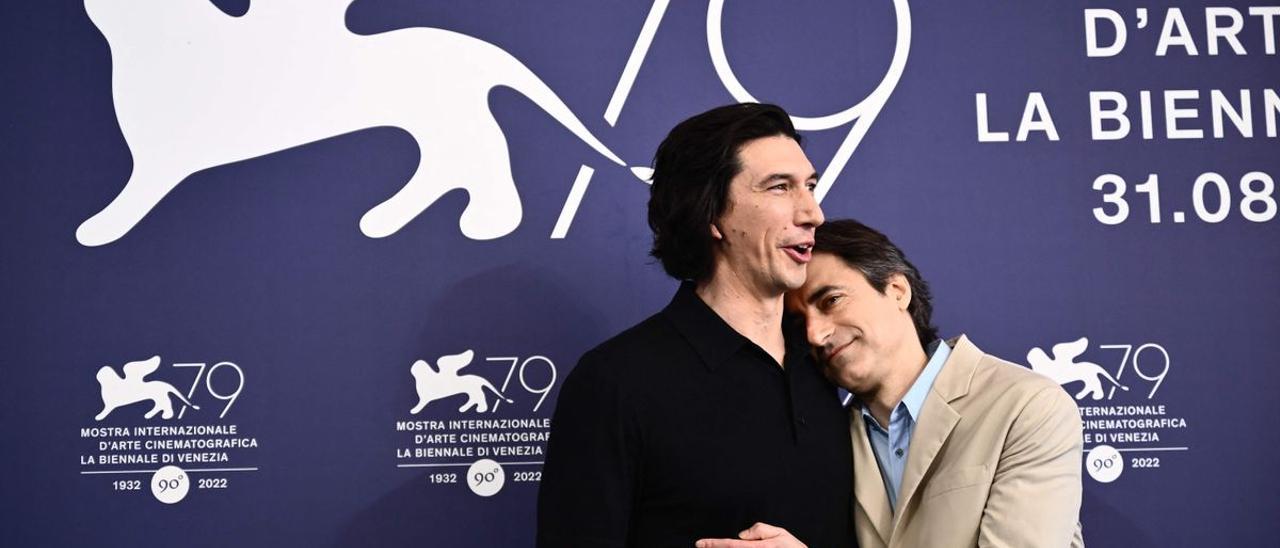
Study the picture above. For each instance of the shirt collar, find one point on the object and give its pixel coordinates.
(914, 400)
(711, 337)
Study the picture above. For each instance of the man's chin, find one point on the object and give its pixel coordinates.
(792, 281)
(841, 374)
(783, 286)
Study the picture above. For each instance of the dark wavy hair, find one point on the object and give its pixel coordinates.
(691, 174)
(871, 253)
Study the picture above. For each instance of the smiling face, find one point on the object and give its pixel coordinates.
(765, 236)
(859, 334)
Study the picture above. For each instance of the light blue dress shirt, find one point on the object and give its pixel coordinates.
(893, 445)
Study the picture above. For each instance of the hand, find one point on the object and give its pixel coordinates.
(760, 535)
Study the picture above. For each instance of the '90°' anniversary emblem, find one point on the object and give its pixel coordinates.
(173, 60)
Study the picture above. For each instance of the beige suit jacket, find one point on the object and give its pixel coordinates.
(995, 460)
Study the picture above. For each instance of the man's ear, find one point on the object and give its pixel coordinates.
(715, 232)
(899, 289)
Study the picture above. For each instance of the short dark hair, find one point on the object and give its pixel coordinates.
(691, 174)
(871, 253)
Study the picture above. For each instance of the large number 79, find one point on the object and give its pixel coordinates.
(543, 390)
(1156, 379)
(208, 384)
(859, 116)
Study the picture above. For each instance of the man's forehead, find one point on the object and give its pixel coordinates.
(825, 268)
(775, 154)
(828, 272)
(804, 296)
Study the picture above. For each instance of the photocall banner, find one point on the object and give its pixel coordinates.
(312, 273)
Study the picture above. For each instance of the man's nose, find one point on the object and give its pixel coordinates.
(817, 331)
(808, 212)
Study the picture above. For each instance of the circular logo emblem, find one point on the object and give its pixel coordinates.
(486, 477)
(1104, 463)
(170, 484)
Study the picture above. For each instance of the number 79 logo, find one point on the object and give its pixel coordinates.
(230, 398)
(1064, 369)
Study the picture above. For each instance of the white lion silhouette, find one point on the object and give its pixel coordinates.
(196, 88)
(432, 385)
(1064, 369)
(119, 391)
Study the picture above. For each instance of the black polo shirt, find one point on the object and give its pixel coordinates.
(680, 428)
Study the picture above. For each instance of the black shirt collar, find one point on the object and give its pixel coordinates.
(712, 338)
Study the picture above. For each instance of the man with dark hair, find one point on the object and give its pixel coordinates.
(709, 414)
(952, 447)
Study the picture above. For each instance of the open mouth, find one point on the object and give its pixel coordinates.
(800, 253)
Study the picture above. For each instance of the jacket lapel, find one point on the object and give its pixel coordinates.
(937, 420)
(868, 486)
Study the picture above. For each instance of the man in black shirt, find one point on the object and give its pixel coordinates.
(710, 415)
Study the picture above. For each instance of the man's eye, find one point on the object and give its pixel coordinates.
(812, 185)
(830, 301)
(781, 186)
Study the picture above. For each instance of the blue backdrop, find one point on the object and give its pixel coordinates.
(985, 138)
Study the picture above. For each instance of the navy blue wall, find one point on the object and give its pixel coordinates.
(296, 333)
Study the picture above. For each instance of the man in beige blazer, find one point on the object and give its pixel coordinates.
(977, 452)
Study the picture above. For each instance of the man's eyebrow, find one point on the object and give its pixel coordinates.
(820, 293)
(785, 177)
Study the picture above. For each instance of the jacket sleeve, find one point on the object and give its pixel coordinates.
(1035, 494)
(591, 472)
